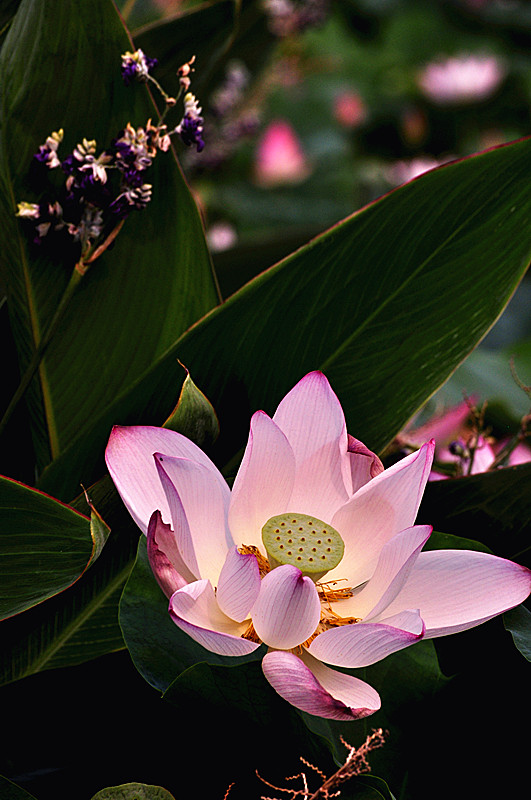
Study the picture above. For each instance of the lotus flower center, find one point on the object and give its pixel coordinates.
(304, 542)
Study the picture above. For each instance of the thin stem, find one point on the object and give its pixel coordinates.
(169, 101)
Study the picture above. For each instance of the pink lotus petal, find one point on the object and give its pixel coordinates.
(129, 457)
(264, 482)
(181, 529)
(397, 559)
(309, 685)
(520, 455)
(168, 567)
(312, 419)
(195, 611)
(443, 427)
(288, 608)
(382, 508)
(367, 642)
(238, 585)
(458, 589)
(364, 463)
(204, 501)
(484, 455)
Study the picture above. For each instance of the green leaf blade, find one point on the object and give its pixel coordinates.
(46, 546)
(81, 623)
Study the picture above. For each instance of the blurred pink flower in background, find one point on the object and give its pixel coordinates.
(221, 236)
(459, 448)
(349, 109)
(461, 79)
(280, 158)
(405, 170)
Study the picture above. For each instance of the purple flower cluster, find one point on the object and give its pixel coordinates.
(99, 190)
(136, 66)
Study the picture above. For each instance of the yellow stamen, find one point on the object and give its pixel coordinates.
(336, 621)
(329, 595)
(263, 563)
(251, 634)
(329, 617)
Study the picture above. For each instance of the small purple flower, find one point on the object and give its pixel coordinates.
(190, 128)
(132, 197)
(134, 148)
(47, 152)
(83, 168)
(136, 66)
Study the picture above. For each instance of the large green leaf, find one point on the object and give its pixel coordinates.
(81, 623)
(60, 68)
(387, 303)
(45, 546)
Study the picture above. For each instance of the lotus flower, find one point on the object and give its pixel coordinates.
(456, 443)
(313, 553)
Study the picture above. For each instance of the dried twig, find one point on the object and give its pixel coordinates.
(355, 764)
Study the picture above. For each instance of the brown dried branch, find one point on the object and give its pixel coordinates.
(356, 764)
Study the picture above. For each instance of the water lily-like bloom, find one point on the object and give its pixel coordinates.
(313, 553)
(462, 79)
(459, 449)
